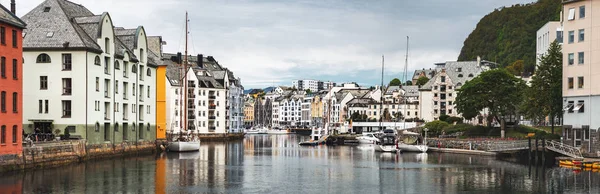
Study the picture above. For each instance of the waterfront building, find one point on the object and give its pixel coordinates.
(88, 77)
(11, 81)
(579, 73)
(437, 96)
(317, 110)
(263, 114)
(550, 32)
(274, 111)
(290, 109)
(306, 118)
(248, 114)
(155, 44)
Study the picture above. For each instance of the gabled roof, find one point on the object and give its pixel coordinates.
(411, 91)
(458, 71)
(52, 25)
(8, 17)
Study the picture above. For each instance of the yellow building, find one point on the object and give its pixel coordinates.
(161, 102)
(249, 114)
(316, 110)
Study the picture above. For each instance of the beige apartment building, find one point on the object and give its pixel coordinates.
(581, 68)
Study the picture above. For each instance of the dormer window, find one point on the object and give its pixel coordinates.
(460, 75)
(459, 69)
(97, 61)
(107, 45)
(470, 75)
(46, 9)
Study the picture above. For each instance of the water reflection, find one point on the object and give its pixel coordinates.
(269, 164)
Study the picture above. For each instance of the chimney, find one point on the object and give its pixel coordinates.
(199, 61)
(13, 7)
(179, 61)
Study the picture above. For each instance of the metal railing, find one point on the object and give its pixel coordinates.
(563, 149)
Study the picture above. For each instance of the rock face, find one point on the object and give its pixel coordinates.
(60, 153)
(509, 34)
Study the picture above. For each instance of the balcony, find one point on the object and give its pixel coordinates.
(191, 85)
(191, 106)
(212, 117)
(192, 117)
(227, 107)
(191, 96)
(212, 107)
(191, 127)
(212, 128)
(212, 97)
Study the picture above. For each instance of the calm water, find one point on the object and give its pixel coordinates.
(276, 164)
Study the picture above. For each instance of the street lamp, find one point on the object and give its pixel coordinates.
(425, 140)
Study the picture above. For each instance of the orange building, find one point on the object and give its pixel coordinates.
(11, 81)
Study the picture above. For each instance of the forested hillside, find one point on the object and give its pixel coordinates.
(508, 34)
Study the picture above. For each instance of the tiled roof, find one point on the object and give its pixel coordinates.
(429, 73)
(411, 91)
(458, 72)
(8, 17)
(391, 89)
(50, 26)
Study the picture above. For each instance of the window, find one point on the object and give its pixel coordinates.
(142, 56)
(149, 72)
(41, 105)
(125, 90)
(3, 132)
(97, 61)
(66, 108)
(141, 73)
(125, 72)
(117, 65)
(148, 93)
(570, 83)
(581, 35)
(107, 65)
(134, 69)
(15, 102)
(559, 36)
(124, 111)
(116, 86)
(571, 14)
(582, 12)
(43, 82)
(571, 36)
(571, 58)
(3, 101)
(133, 89)
(97, 128)
(97, 84)
(580, 82)
(14, 38)
(15, 70)
(580, 58)
(460, 75)
(43, 58)
(66, 83)
(579, 107)
(106, 88)
(2, 36)
(3, 67)
(443, 78)
(15, 134)
(46, 107)
(116, 127)
(107, 45)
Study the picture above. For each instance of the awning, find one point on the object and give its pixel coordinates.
(568, 107)
(579, 106)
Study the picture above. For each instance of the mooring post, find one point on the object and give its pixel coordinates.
(543, 151)
(536, 150)
(529, 150)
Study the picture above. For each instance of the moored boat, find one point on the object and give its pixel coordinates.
(413, 148)
(387, 143)
(184, 146)
(367, 138)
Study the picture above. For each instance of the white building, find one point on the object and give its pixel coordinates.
(290, 110)
(550, 32)
(87, 76)
(306, 119)
(306, 84)
(206, 104)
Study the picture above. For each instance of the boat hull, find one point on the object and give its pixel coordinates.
(386, 148)
(367, 141)
(279, 132)
(184, 146)
(413, 148)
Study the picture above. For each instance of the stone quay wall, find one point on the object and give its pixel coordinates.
(51, 154)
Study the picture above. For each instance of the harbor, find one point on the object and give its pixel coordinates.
(276, 163)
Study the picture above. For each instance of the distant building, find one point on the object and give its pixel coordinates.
(306, 84)
(249, 114)
(438, 95)
(428, 73)
(550, 32)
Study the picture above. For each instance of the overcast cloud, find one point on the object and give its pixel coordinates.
(268, 42)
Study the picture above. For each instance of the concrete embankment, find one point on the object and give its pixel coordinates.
(462, 151)
(53, 154)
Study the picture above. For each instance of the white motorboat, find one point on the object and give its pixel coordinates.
(279, 132)
(257, 131)
(413, 148)
(184, 146)
(317, 137)
(367, 138)
(387, 143)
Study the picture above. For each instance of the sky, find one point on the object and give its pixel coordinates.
(272, 42)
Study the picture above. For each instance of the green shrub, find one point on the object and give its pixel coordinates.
(444, 118)
(456, 120)
(458, 128)
(436, 127)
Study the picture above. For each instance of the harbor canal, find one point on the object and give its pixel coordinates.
(276, 164)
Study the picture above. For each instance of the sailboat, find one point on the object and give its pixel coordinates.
(187, 142)
(387, 141)
(410, 141)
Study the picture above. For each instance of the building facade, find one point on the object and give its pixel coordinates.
(99, 86)
(11, 81)
(580, 71)
(248, 114)
(550, 32)
(306, 84)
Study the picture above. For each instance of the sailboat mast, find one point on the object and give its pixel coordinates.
(405, 80)
(381, 96)
(185, 66)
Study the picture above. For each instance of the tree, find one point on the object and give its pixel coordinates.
(516, 68)
(496, 90)
(422, 81)
(386, 116)
(544, 97)
(308, 91)
(408, 83)
(436, 127)
(395, 82)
